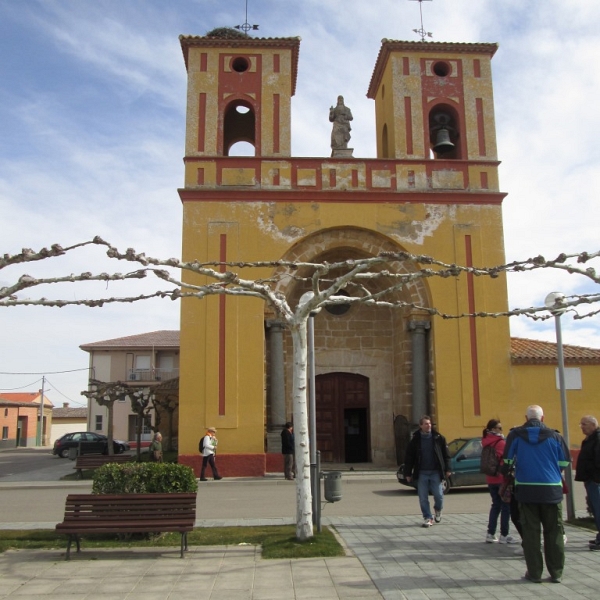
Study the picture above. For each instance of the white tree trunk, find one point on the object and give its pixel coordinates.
(304, 524)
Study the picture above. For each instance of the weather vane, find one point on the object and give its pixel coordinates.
(422, 31)
(246, 27)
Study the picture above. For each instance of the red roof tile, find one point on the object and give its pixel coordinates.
(29, 397)
(525, 351)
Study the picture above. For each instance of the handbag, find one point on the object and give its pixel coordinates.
(507, 488)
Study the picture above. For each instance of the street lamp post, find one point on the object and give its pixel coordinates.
(555, 303)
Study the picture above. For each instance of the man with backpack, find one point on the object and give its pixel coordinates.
(539, 455)
(208, 447)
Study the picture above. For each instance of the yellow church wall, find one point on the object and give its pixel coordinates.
(265, 231)
(536, 384)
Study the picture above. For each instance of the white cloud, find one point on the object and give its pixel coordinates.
(92, 103)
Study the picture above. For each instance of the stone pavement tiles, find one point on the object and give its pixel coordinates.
(206, 573)
(451, 560)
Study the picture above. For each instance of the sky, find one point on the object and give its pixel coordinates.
(92, 123)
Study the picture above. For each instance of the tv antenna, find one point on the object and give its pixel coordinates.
(246, 27)
(422, 31)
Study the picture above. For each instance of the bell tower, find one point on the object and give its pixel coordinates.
(434, 101)
(239, 90)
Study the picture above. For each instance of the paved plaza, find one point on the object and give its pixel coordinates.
(388, 556)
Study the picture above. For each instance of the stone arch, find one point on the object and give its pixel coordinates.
(373, 342)
(344, 243)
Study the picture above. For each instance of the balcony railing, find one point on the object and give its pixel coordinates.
(152, 374)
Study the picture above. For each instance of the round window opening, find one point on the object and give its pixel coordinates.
(441, 69)
(240, 64)
(339, 309)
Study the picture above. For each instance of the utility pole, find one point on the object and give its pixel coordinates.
(40, 426)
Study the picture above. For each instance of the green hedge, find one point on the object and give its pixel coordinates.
(143, 478)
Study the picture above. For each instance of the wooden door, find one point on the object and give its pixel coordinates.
(342, 415)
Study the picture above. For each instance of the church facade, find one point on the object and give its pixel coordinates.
(432, 190)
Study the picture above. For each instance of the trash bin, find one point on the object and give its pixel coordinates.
(333, 486)
(73, 452)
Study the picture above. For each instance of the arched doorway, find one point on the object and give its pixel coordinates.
(342, 415)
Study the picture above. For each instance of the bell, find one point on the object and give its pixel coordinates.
(443, 143)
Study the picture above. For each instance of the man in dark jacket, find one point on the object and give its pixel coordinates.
(287, 449)
(427, 461)
(588, 470)
(539, 454)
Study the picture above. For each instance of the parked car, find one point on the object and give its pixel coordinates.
(465, 458)
(72, 440)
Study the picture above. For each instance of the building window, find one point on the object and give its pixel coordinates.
(5, 433)
(98, 422)
(6, 412)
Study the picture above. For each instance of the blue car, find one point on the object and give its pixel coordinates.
(465, 458)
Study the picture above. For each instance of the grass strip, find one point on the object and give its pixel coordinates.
(276, 541)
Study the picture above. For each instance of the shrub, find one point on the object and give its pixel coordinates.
(143, 478)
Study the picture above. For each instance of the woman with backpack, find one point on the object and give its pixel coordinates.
(493, 443)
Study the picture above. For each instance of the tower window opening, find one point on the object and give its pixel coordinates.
(444, 133)
(239, 125)
(442, 69)
(240, 64)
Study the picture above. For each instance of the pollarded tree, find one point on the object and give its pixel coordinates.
(325, 281)
(106, 394)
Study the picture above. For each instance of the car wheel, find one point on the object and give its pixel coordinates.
(446, 485)
(119, 449)
(64, 453)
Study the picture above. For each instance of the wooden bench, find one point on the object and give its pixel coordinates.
(93, 461)
(127, 513)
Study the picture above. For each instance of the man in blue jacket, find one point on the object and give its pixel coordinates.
(539, 454)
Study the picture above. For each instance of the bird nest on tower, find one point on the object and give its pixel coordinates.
(227, 33)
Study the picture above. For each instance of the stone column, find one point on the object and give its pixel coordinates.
(420, 369)
(277, 388)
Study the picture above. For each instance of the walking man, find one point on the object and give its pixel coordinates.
(209, 447)
(427, 461)
(539, 454)
(588, 470)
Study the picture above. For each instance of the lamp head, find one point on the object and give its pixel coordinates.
(554, 302)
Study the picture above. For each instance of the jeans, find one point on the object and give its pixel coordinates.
(593, 493)
(536, 518)
(430, 482)
(498, 508)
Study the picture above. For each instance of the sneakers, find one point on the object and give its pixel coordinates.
(427, 522)
(595, 546)
(507, 539)
(438, 516)
(490, 538)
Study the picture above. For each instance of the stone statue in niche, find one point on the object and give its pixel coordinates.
(340, 115)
